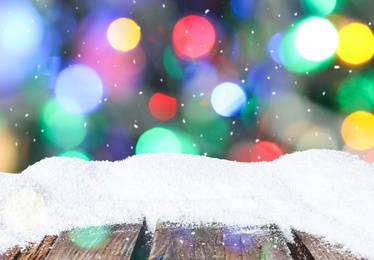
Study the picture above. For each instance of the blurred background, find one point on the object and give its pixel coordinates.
(244, 80)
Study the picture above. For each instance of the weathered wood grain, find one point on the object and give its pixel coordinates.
(34, 251)
(119, 244)
(172, 241)
(320, 249)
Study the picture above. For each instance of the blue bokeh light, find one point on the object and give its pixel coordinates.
(79, 89)
(228, 99)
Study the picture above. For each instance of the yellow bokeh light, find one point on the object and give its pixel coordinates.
(356, 44)
(24, 211)
(9, 154)
(123, 34)
(358, 130)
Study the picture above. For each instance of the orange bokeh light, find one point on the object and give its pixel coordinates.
(358, 130)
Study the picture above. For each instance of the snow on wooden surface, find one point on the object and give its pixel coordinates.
(322, 192)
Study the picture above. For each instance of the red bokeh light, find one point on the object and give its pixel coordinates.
(193, 36)
(258, 152)
(163, 107)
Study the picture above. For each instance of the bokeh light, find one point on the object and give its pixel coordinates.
(358, 130)
(356, 43)
(265, 80)
(255, 152)
(172, 64)
(119, 71)
(273, 47)
(369, 156)
(91, 238)
(76, 154)
(292, 59)
(243, 8)
(9, 152)
(21, 26)
(79, 89)
(159, 139)
(123, 34)
(199, 78)
(24, 211)
(61, 128)
(193, 36)
(319, 7)
(228, 99)
(21, 41)
(109, 80)
(163, 107)
(356, 93)
(316, 39)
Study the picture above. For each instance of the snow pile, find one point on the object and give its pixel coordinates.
(327, 193)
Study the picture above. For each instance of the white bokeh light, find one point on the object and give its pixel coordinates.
(316, 39)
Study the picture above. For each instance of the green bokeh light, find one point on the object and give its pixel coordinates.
(171, 63)
(163, 140)
(76, 154)
(356, 93)
(62, 129)
(90, 238)
(319, 7)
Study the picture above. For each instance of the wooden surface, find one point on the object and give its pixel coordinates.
(176, 241)
(319, 249)
(119, 244)
(172, 241)
(35, 251)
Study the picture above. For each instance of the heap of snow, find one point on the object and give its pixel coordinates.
(323, 192)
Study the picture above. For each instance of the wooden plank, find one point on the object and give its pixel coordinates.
(209, 242)
(298, 250)
(105, 242)
(264, 242)
(39, 251)
(35, 251)
(11, 254)
(172, 241)
(320, 249)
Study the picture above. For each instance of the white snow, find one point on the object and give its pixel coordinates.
(323, 192)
